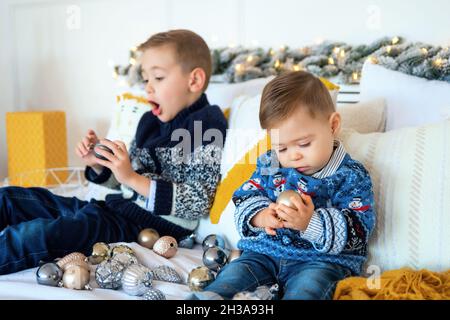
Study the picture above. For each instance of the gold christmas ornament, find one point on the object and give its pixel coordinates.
(147, 237)
(121, 248)
(166, 246)
(285, 198)
(199, 278)
(74, 258)
(79, 263)
(100, 252)
(76, 277)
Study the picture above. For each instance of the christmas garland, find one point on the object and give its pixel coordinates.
(337, 60)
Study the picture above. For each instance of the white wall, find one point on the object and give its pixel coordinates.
(54, 54)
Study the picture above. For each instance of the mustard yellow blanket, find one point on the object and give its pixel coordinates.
(401, 284)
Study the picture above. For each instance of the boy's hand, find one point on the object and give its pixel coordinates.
(84, 147)
(267, 219)
(297, 219)
(118, 161)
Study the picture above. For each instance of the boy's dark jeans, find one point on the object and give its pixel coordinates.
(38, 225)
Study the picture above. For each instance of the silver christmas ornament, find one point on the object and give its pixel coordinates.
(187, 242)
(76, 277)
(214, 258)
(49, 274)
(153, 294)
(125, 258)
(233, 255)
(166, 273)
(260, 293)
(100, 252)
(136, 279)
(101, 147)
(166, 246)
(108, 274)
(199, 278)
(213, 240)
(147, 237)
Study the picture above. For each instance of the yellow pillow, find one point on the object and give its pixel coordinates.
(245, 116)
(226, 113)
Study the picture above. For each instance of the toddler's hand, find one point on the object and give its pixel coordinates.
(297, 219)
(84, 149)
(267, 219)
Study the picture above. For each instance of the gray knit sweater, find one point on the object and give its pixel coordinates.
(182, 158)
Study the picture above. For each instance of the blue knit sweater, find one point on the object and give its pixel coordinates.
(341, 224)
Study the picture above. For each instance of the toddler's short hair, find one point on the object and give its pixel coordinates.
(190, 49)
(290, 91)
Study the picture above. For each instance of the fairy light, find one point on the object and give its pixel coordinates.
(424, 51)
(272, 52)
(250, 58)
(305, 50)
(342, 54)
(297, 67)
(388, 49)
(239, 68)
(132, 61)
(438, 62)
(277, 64)
(336, 50)
(372, 60)
(330, 60)
(395, 40)
(355, 76)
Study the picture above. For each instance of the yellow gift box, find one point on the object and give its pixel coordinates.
(36, 141)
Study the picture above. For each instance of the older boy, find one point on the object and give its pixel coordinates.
(166, 184)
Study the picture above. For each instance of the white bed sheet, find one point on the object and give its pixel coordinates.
(23, 285)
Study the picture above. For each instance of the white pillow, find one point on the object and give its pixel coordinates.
(410, 171)
(364, 117)
(410, 101)
(245, 132)
(223, 94)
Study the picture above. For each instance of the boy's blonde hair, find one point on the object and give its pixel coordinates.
(190, 49)
(290, 91)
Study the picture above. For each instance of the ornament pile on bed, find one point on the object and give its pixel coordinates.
(327, 59)
(117, 267)
(215, 257)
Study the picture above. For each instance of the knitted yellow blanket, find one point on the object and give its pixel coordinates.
(401, 284)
